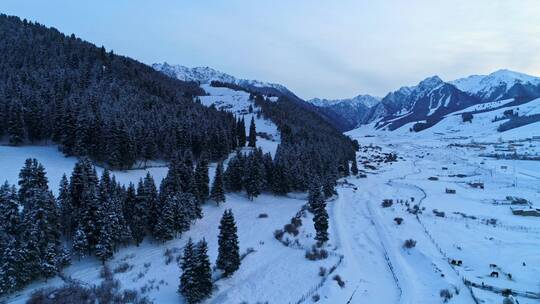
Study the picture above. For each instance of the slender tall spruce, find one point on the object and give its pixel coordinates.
(228, 259)
(217, 194)
(252, 140)
(320, 216)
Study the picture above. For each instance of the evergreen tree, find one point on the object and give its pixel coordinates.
(252, 134)
(64, 206)
(80, 243)
(203, 271)
(228, 253)
(354, 168)
(202, 180)
(320, 216)
(241, 132)
(15, 129)
(12, 267)
(165, 224)
(9, 211)
(233, 176)
(253, 176)
(217, 194)
(188, 284)
(329, 187)
(151, 193)
(104, 247)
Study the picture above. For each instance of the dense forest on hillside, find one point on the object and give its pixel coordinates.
(311, 150)
(95, 103)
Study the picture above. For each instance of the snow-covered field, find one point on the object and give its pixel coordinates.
(366, 244)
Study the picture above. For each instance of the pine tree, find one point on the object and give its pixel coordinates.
(253, 176)
(252, 134)
(104, 247)
(9, 211)
(203, 271)
(233, 176)
(354, 168)
(241, 132)
(165, 224)
(152, 200)
(202, 180)
(228, 253)
(12, 267)
(188, 284)
(80, 243)
(16, 124)
(217, 194)
(64, 206)
(329, 186)
(320, 216)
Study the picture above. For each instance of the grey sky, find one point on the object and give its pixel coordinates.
(330, 49)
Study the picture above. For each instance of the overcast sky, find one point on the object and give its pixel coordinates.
(329, 49)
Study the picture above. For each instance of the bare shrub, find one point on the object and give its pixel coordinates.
(410, 243)
(387, 203)
(339, 281)
(322, 271)
(316, 254)
(291, 229)
(278, 234)
(446, 295)
(124, 267)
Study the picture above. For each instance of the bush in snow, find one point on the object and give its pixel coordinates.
(446, 295)
(124, 267)
(291, 229)
(106, 273)
(398, 220)
(278, 234)
(410, 243)
(387, 203)
(316, 254)
(263, 215)
(316, 297)
(338, 279)
(322, 271)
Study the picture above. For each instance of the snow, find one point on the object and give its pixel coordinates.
(205, 75)
(238, 103)
(56, 164)
(485, 84)
(366, 245)
(366, 100)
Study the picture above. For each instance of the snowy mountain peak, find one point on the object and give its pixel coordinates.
(431, 82)
(205, 75)
(496, 83)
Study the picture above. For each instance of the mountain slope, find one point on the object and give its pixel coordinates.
(94, 103)
(350, 112)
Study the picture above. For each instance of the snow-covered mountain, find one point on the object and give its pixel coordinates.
(365, 100)
(430, 100)
(497, 85)
(205, 75)
(350, 111)
(433, 99)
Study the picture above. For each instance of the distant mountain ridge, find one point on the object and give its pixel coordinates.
(427, 102)
(205, 75)
(433, 99)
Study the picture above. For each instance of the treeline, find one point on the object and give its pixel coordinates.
(311, 150)
(92, 215)
(94, 103)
